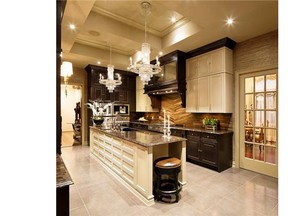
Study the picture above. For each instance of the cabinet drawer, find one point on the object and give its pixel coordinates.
(178, 133)
(193, 136)
(209, 138)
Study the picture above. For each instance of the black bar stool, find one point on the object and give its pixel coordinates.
(167, 185)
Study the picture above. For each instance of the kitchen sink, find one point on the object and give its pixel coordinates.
(128, 129)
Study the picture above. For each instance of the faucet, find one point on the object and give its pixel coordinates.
(116, 125)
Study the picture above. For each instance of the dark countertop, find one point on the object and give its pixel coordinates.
(63, 177)
(203, 130)
(142, 137)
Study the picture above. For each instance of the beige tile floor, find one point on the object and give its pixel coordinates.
(235, 191)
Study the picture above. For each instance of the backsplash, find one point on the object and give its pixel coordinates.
(178, 115)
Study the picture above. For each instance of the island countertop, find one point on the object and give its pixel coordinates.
(141, 137)
(129, 156)
(63, 177)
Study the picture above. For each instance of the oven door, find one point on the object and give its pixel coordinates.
(121, 109)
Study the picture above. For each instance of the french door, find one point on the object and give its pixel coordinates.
(258, 122)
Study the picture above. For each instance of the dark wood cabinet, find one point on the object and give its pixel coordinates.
(177, 132)
(171, 80)
(210, 150)
(193, 145)
(124, 93)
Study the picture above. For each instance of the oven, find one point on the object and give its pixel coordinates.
(121, 109)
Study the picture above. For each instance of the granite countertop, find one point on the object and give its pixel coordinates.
(203, 130)
(141, 137)
(63, 177)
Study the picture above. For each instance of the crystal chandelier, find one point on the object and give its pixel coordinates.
(110, 82)
(143, 67)
(66, 72)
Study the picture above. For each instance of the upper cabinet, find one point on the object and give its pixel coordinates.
(124, 93)
(172, 78)
(210, 82)
(143, 101)
(213, 62)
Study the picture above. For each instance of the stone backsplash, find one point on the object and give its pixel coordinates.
(178, 115)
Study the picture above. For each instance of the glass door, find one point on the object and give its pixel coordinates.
(258, 123)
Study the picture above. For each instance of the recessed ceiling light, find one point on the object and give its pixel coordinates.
(173, 19)
(229, 21)
(72, 26)
(98, 62)
(160, 53)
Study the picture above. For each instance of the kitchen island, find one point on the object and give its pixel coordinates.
(63, 182)
(129, 157)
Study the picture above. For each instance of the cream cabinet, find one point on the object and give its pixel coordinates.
(127, 161)
(210, 82)
(192, 95)
(213, 62)
(210, 94)
(129, 157)
(143, 101)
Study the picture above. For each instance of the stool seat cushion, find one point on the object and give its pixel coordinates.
(167, 163)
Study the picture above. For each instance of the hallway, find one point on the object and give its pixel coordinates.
(232, 192)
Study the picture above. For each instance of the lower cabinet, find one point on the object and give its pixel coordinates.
(210, 150)
(129, 162)
(178, 133)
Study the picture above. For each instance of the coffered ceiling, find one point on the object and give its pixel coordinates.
(120, 25)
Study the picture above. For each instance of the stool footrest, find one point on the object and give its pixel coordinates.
(168, 187)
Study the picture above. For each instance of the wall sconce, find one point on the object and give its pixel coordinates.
(66, 72)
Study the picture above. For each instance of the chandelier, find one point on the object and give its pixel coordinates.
(66, 72)
(143, 67)
(110, 82)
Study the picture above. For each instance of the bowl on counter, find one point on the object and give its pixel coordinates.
(98, 121)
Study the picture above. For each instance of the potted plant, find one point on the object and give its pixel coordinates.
(214, 123)
(210, 123)
(98, 119)
(98, 111)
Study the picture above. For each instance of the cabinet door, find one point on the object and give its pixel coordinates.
(216, 88)
(221, 61)
(203, 94)
(192, 95)
(209, 153)
(203, 65)
(191, 68)
(139, 105)
(217, 63)
(96, 92)
(143, 101)
(209, 150)
(221, 93)
(192, 150)
(123, 96)
(193, 146)
(178, 133)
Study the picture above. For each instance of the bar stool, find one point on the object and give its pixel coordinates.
(167, 170)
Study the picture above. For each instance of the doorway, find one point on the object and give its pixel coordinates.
(71, 129)
(258, 122)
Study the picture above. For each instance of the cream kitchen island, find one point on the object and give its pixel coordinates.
(129, 156)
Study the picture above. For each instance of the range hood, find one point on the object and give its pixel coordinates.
(173, 87)
(172, 79)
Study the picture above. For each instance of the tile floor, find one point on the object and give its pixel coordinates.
(208, 193)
